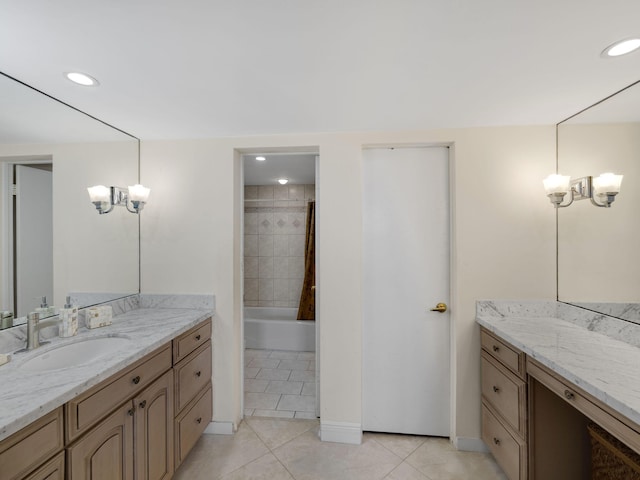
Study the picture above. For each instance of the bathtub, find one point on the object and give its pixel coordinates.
(276, 328)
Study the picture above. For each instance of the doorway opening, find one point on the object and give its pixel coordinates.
(279, 278)
(26, 234)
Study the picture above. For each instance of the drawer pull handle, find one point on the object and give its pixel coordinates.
(136, 380)
(496, 348)
(199, 419)
(198, 373)
(143, 404)
(131, 411)
(568, 395)
(496, 441)
(198, 337)
(496, 389)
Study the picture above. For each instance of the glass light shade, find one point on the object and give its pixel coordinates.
(99, 193)
(139, 193)
(607, 183)
(283, 181)
(557, 183)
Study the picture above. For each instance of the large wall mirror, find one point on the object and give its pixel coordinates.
(53, 242)
(599, 248)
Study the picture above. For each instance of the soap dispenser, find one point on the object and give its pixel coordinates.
(45, 310)
(68, 316)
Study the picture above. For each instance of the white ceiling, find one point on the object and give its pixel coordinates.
(299, 169)
(207, 68)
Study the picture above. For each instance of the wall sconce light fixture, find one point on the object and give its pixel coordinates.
(600, 190)
(105, 198)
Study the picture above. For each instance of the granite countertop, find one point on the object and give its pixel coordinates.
(606, 367)
(26, 396)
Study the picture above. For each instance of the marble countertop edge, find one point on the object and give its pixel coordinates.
(36, 394)
(600, 365)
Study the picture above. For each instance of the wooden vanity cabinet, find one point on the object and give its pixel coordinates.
(135, 441)
(123, 428)
(504, 404)
(193, 390)
(23, 455)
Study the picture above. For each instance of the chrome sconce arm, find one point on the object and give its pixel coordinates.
(106, 198)
(601, 191)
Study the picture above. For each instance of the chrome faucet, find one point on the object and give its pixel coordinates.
(33, 330)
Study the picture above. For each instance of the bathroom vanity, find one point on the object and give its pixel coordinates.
(548, 372)
(134, 414)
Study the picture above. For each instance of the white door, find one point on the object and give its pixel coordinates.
(34, 238)
(406, 273)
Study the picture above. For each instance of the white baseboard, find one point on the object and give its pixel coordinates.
(220, 428)
(341, 432)
(470, 444)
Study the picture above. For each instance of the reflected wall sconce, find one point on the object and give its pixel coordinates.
(600, 190)
(105, 198)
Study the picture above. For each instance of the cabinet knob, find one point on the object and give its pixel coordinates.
(496, 441)
(496, 348)
(568, 395)
(136, 379)
(143, 404)
(496, 389)
(198, 337)
(199, 419)
(131, 411)
(198, 373)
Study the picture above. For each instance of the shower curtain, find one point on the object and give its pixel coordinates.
(307, 308)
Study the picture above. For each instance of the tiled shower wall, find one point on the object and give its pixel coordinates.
(274, 235)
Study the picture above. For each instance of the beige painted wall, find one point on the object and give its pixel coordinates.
(503, 245)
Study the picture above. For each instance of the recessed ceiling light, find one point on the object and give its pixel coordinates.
(283, 181)
(82, 79)
(260, 159)
(622, 47)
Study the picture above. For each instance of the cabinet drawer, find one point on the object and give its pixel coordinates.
(31, 446)
(505, 392)
(591, 407)
(189, 341)
(89, 408)
(509, 356)
(191, 423)
(507, 450)
(192, 374)
(52, 470)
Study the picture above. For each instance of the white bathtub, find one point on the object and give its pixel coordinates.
(276, 328)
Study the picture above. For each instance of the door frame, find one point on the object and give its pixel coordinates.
(6, 224)
(453, 301)
(240, 153)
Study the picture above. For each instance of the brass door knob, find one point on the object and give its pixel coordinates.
(441, 307)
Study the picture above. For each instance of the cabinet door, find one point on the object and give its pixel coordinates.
(154, 430)
(106, 451)
(52, 470)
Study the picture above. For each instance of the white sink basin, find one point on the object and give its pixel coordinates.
(80, 352)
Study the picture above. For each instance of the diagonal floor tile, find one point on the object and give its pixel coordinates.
(406, 472)
(216, 455)
(264, 468)
(275, 432)
(307, 458)
(401, 445)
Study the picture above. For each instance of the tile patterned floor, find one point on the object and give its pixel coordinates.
(279, 384)
(289, 449)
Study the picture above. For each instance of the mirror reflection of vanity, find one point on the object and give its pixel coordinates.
(74, 250)
(598, 248)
